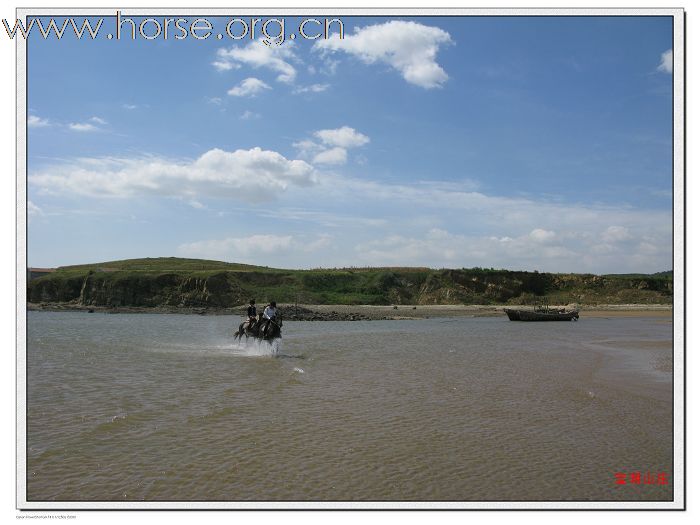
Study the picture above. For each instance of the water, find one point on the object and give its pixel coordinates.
(167, 407)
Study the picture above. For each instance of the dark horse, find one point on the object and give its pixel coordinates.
(261, 329)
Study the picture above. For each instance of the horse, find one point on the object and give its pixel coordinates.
(273, 330)
(246, 329)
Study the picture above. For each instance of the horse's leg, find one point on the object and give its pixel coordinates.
(243, 329)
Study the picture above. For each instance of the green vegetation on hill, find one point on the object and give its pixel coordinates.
(158, 264)
(175, 282)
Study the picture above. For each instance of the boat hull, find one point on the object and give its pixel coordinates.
(529, 315)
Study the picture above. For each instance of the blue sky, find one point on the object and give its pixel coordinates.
(523, 143)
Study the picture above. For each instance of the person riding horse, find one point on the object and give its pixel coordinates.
(268, 325)
(269, 317)
(252, 315)
(251, 324)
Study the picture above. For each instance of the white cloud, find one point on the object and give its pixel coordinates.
(333, 145)
(331, 156)
(33, 209)
(36, 122)
(249, 87)
(93, 124)
(487, 230)
(255, 175)
(408, 47)
(308, 148)
(345, 137)
(215, 100)
(322, 241)
(542, 236)
(313, 88)
(243, 248)
(235, 248)
(614, 234)
(257, 55)
(249, 115)
(330, 66)
(83, 127)
(130, 107)
(572, 252)
(666, 64)
(224, 65)
(197, 205)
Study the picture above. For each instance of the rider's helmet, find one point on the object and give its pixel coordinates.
(273, 304)
(252, 301)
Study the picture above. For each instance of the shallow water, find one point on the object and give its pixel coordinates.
(167, 407)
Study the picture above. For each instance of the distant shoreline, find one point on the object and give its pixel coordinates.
(343, 312)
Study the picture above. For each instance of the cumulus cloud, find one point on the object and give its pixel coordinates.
(93, 124)
(313, 88)
(82, 127)
(469, 228)
(257, 55)
(244, 248)
(225, 65)
(345, 137)
(236, 247)
(408, 47)
(248, 88)
(542, 236)
(666, 64)
(255, 174)
(308, 148)
(331, 156)
(614, 234)
(36, 122)
(331, 145)
(573, 251)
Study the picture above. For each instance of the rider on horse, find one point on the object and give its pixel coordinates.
(269, 316)
(252, 315)
(268, 325)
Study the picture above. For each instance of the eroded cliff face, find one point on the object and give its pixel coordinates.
(381, 286)
(54, 290)
(139, 290)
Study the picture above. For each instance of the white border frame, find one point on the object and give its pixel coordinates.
(679, 479)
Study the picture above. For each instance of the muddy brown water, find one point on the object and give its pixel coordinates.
(140, 407)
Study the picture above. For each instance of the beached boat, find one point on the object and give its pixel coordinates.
(541, 315)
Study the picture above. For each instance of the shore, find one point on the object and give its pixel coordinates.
(326, 312)
(433, 311)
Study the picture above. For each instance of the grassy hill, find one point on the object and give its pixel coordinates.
(176, 282)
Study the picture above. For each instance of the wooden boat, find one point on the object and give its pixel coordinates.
(541, 315)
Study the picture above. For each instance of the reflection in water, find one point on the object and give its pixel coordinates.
(168, 407)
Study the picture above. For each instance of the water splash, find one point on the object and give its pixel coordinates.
(257, 348)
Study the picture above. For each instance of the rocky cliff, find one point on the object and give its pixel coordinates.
(88, 286)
